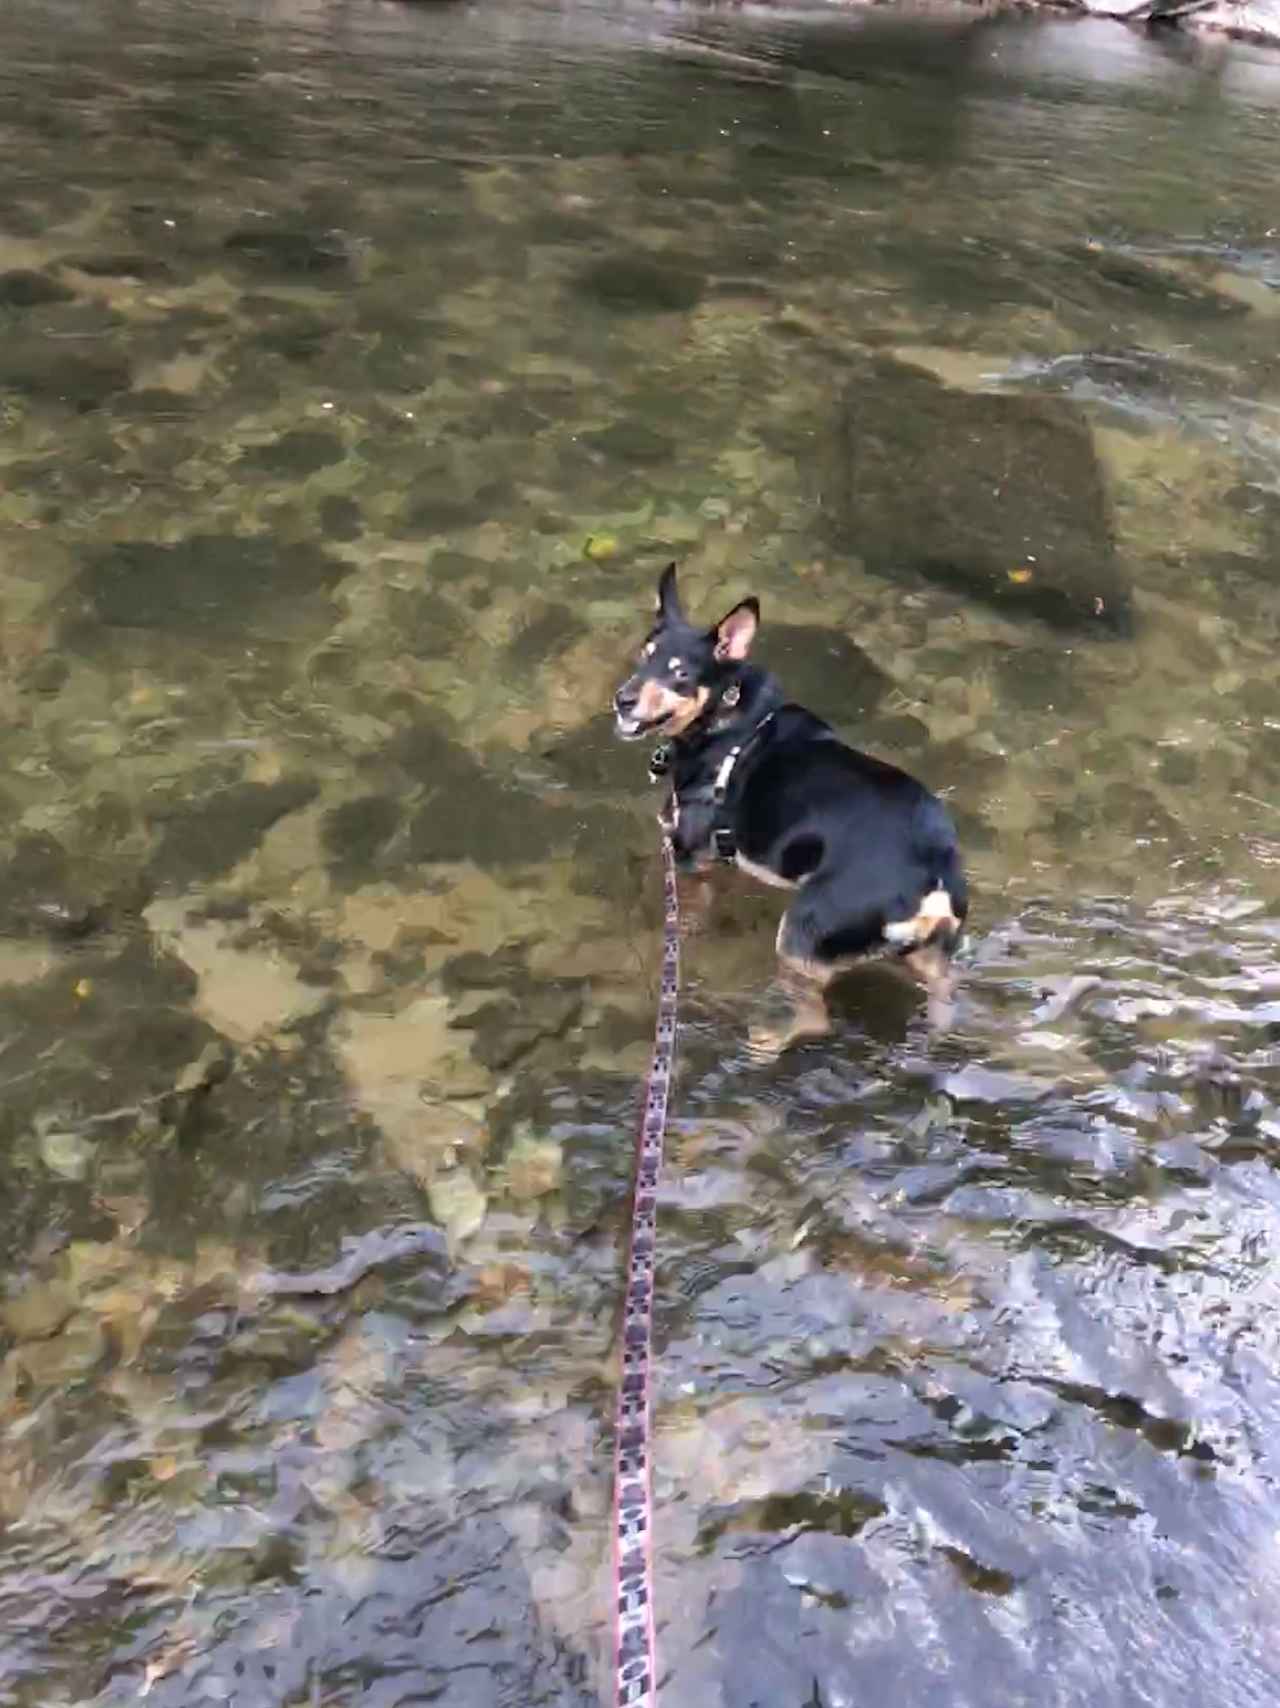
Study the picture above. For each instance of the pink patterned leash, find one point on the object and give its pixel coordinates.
(635, 1680)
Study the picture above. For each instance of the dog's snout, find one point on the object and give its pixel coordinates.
(626, 699)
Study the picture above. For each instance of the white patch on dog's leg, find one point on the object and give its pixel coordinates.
(934, 910)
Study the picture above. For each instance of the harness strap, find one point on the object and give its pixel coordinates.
(724, 845)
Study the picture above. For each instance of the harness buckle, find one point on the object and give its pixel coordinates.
(723, 844)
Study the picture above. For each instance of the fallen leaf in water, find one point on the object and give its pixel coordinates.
(600, 547)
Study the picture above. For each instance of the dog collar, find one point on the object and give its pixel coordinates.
(661, 758)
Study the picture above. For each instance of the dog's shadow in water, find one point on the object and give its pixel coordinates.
(875, 1001)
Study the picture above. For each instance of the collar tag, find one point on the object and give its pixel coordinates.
(660, 762)
(731, 695)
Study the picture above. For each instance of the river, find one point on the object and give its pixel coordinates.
(360, 367)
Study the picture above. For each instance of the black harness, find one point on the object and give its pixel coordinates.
(723, 842)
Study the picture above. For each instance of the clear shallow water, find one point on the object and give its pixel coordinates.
(329, 338)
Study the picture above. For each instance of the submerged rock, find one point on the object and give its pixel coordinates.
(544, 636)
(508, 1029)
(121, 266)
(42, 892)
(631, 442)
(1167, 290)
(49, 373)
(24, 289)
(209, 581)
(469, 813)
(202, 837)
(340, 518)
(279, 249)
(355, 833)
(297, 454)
(998, 497)
(638, 284)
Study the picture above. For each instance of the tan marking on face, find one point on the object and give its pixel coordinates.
(691, 709)
(659, 704)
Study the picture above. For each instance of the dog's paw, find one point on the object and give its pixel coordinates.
(765, 1044)
(769, 1039)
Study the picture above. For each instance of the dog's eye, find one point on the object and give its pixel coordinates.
(675, 668)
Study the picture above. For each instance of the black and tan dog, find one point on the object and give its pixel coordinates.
(767, 785)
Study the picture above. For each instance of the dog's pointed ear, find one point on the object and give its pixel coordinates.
(736, 630)
(669, 596)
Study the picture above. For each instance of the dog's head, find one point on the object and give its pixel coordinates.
(682, 670)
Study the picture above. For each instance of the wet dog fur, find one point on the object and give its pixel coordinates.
(870, 852)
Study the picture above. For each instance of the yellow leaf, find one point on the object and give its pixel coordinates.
(599, 547)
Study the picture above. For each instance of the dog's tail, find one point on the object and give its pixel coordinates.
(934, 921)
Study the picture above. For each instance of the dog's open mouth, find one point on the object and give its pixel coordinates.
(635, 729)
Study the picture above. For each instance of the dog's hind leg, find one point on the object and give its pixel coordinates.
(806, 1017)
(931, 966)
(804, 980)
